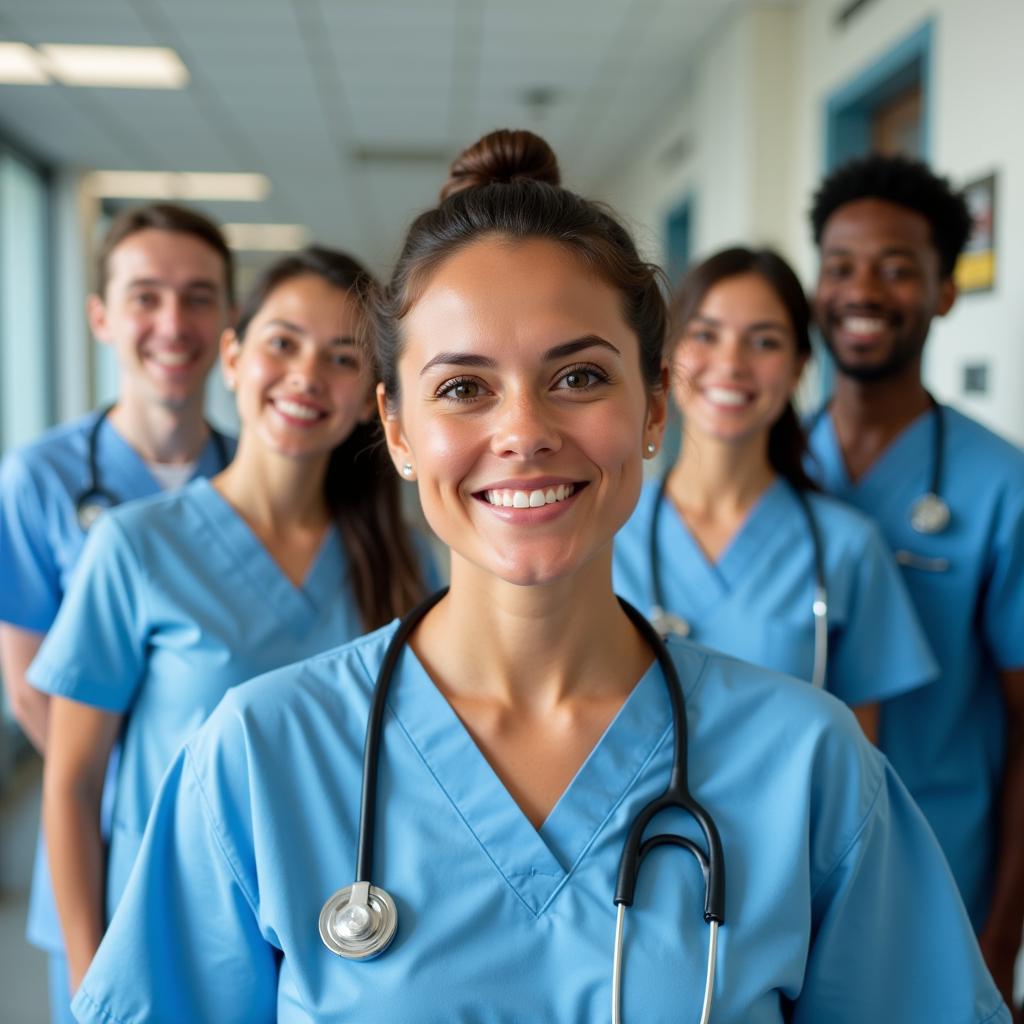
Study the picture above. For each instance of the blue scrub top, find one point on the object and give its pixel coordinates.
(948, 741)
(839, 904)
(756, 601)
(175, 602)
(40, 544)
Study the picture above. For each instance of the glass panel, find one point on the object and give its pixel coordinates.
(24, 344)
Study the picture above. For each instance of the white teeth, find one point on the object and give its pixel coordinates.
(530, 499)
(863, 325)
(725, 396)
(171, 359)
(296, 410)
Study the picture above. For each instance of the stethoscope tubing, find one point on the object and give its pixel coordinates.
(375, 730)
(936, 471)
(87, 510)
(819, 607)
(675, 796)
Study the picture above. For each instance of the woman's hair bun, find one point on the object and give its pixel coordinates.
(500, 158)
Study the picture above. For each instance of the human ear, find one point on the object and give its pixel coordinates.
(230, 350)
(96, 311)
(947, 296)
(657, 409)
(398, 447)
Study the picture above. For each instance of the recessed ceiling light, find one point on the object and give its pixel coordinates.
(266, 237)
(20, 65)
(193, 185)
(119, 67)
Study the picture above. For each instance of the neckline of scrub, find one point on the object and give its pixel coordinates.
(534, 863)
(206, 465)
(732, 565)
(888, 473)
(327, 570)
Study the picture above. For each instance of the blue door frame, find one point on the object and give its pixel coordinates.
(850, 110)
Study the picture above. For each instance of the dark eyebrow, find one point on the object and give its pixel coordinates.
(156, 282)
(458, 359)
(891, 250)
(768, 325)
(341, 339)
(572, 347)
(568, 348)
(759, 325)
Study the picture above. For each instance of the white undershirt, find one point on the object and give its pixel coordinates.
(172, 475)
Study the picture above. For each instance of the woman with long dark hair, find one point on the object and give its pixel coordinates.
(516, 726)
(733, 545)
(297, 546)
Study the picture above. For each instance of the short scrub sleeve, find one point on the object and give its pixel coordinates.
(95, 651)
(31, 591)
(867, 961)
(185, 943)
(881, 650)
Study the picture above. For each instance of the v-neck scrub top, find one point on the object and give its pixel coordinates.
(176, 601)
(839, 904)
(40, 544)
(756, 601)
(948, 741)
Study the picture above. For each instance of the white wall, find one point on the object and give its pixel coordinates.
(755, 116)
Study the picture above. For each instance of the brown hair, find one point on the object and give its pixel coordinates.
(507, 185)
(360, 487)
(787, 442)
(164, 217)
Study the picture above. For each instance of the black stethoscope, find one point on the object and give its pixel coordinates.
(95, 499)
(666, 622)
(360, 921)
(929, 514)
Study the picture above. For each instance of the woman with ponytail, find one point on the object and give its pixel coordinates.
(297, 546)
(523, 719)
(732, 544)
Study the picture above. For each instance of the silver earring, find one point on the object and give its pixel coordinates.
(651, 447)
(407, 468)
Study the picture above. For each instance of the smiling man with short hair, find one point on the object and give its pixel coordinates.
(164, 295)
(949, 497)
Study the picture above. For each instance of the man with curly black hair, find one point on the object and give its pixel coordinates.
(949, 496)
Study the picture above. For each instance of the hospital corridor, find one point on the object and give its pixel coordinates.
(511, 512)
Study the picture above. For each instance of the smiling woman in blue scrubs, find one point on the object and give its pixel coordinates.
(736, 556)
(520, 343)
(295, 547)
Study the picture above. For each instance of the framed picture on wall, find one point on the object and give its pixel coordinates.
(976, 268)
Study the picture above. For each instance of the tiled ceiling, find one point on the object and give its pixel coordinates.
(353, 108)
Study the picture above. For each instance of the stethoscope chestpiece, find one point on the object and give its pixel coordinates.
(88, 512)
(359, 921)
(668, 624)
(929, 514)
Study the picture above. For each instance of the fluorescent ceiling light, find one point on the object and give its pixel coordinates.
(178, 185)
(266, 237)
(20, 65)
(123, 67)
